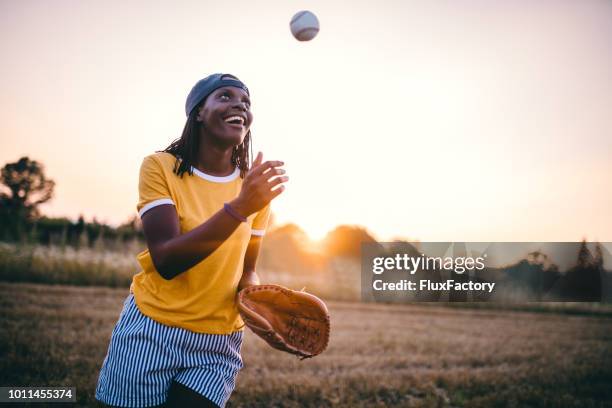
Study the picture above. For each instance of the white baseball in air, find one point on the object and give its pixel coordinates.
(304, 25)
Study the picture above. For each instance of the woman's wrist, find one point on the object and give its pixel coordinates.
(233, 213)
(248, 279)
(239, 207)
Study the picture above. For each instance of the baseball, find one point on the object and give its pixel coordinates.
(304, 25)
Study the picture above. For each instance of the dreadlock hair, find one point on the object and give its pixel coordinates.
(185, 148)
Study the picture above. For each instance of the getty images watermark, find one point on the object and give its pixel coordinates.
(412, 264)
(484, 272)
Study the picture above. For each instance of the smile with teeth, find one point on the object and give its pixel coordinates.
(235, 120)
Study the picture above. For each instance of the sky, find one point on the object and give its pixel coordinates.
(432, 120)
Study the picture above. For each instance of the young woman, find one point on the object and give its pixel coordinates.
(204, 211)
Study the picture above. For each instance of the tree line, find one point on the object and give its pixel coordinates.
(24, 187)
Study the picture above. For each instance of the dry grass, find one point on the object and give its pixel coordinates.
(67, 265)
(379, 355)
(101, 267)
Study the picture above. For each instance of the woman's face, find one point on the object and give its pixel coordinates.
(226, 115)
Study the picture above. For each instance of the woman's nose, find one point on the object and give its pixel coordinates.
(241, 105)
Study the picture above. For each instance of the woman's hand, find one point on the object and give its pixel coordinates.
(257, 186)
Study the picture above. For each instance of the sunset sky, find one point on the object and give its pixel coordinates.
(446, 120)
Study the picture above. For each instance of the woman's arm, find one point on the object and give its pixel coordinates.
(173, 253)
(249, 276)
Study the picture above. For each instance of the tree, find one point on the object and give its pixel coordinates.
(585, 258)
(346, 240)
(25, 188)
(598, 259)
(583, 282)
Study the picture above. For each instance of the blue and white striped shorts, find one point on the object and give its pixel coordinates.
(145, 356)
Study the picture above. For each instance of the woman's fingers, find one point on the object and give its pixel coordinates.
(258, 160)
(276, 193)
(278, 180)
(265, 166)
(262, 178)
(273, 172)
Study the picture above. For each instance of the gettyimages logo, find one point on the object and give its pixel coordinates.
(503, 272)
(412, 264)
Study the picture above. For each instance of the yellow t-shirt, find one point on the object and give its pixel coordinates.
(200, 299)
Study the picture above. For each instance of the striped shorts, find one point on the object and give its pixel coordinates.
(145, 356)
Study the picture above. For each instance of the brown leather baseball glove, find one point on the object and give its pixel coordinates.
(291, 321)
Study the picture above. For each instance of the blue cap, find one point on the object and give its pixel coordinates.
(206, 86)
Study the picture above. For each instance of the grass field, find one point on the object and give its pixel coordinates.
(379, 355)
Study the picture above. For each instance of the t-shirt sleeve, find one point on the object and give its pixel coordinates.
(260, 223)
(152, 186)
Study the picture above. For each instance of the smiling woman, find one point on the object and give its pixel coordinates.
(222, 96)
(203, 231)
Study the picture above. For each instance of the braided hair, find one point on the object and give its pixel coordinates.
(186, 148)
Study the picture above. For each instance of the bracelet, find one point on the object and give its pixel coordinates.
(228, 209)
